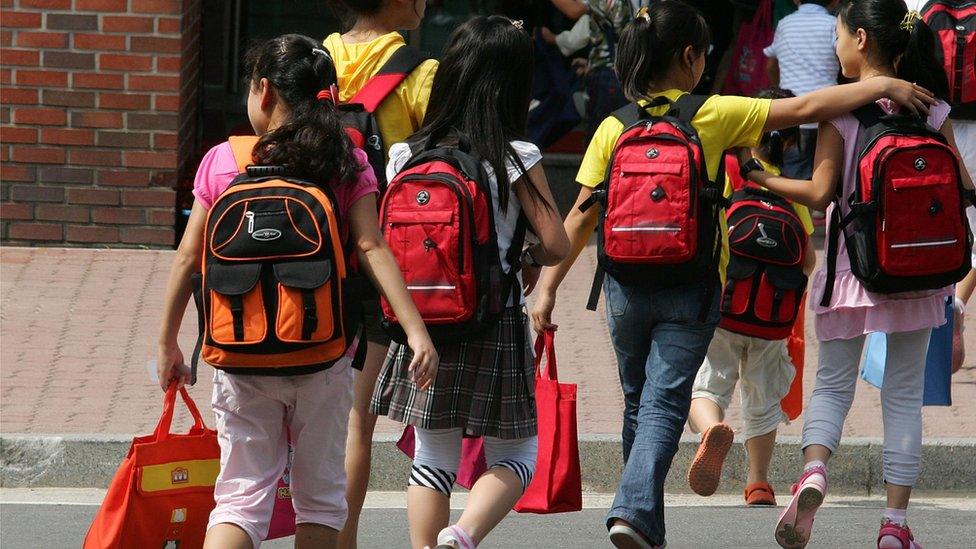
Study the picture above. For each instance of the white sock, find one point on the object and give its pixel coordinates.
(898, 516)
(814, 463)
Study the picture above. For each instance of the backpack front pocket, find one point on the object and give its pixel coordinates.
(305, 302)
(237, 313)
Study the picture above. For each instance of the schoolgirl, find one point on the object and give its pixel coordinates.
(485, 384)
(875, 39)
(290, 105)
(658, 334)
(360, 53)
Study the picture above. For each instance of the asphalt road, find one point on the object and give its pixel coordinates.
(851, 522)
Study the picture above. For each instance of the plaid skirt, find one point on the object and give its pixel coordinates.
(486, 386)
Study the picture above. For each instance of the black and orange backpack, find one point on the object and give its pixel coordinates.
(270, 295)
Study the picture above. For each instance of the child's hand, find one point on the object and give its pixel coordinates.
(530, 275)
(541, 313)
(425, 360)
(170, 366)
(911, 96)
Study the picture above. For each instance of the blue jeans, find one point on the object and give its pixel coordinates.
(660, 345)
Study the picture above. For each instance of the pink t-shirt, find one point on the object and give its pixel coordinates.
(218, 168)
(853, 310)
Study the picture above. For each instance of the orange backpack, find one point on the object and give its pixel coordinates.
(270, 295)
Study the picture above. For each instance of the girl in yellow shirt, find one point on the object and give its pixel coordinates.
(359, 54)
(658, 335)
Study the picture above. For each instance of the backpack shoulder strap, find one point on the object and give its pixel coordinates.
(243, 148)
(628, 115)
(687, 107)
(403, 61)
(868, 115)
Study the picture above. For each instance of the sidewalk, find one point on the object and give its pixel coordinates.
(78, 326)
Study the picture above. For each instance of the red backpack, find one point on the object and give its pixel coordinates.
(438, 219)
(659, 226)
(767, 244)
(954, 24)
(359, 113)
(907, 229)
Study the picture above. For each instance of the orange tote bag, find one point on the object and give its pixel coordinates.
(163, 492)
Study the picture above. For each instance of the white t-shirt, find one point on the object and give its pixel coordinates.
(528, 153)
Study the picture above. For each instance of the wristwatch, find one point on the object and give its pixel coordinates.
(751, 165)
(527, 258)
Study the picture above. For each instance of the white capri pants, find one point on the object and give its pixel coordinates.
(437, 453)
(901, 400)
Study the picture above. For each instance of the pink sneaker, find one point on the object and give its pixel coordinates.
(796, 521)
(896, 536)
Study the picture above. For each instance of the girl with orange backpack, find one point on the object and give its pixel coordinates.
(291, 105)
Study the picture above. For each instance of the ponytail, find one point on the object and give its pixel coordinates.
(900, 39)
(919, 63)
(654, 40)
(312, 144)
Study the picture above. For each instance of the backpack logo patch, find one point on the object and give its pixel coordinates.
(652, 153)
(920, 163)
(266, 235)
(764, 239)
(423, 197)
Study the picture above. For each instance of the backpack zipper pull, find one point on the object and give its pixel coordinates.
(429, 245)
(250, 221)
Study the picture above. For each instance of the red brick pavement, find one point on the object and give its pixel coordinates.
(77, 327)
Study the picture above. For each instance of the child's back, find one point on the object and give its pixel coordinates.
(804, 48)
(402, 112)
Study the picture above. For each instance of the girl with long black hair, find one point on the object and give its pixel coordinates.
(875, 39)
(485, 385)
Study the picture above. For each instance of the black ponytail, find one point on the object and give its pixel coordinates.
(772, 144)
(898, 40)
(651, 43)
(312, 144)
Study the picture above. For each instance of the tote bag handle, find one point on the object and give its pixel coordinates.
(545, 346)
(169, 403)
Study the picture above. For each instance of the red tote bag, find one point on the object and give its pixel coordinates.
(162, 494)
(747, 69)
(557, 486)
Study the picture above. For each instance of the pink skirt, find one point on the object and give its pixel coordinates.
(854, 311)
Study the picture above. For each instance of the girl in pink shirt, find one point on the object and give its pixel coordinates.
(874, 38)
(291, 106)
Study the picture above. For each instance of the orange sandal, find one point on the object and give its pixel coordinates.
(760, 493)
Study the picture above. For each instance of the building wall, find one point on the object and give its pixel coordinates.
(98, 104)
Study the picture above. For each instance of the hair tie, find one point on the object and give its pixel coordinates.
(331, 94)
(518, 24)
(320, 51)
(775, 133)
(643, 14)
(912, 17)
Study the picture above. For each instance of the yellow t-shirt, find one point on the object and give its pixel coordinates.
(801, 211)
(402, 113)
(723, 122)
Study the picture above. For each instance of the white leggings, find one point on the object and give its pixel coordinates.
(901, 400)
(437, 453)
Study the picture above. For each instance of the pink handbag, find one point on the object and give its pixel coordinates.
(747, 69)
(472, 463)
(283, 516)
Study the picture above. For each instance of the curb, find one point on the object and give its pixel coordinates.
(90, 461)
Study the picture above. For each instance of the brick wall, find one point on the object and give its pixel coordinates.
(98, 102)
